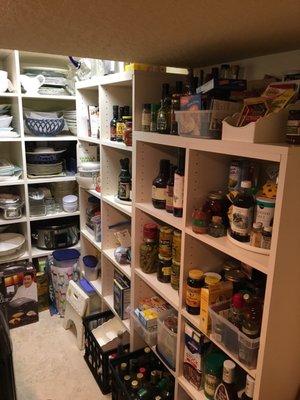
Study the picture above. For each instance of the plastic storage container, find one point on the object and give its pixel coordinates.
(149, 336)
(205, 124)
(97, 359)
(235, 341)
(90, 264)
(166, 340)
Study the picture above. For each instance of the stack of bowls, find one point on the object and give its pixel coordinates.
(70, 203)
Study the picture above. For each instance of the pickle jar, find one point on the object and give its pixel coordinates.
(164, 266)
(149, 249)
(165, 241)
(176, 246)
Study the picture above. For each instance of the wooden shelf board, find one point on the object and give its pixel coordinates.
(12, 221)
(12, 139)
(8, 94)
(35, 252)
(89, 84)
(52, 216)
(190, 389)
(125, 269)
(195, 321)
(109, 300)
(116, 145)
(47, 97)
(118, 79)
(258, 261)
(97, 285)
(90, 238)
(110, 199)
(165, 290)
(58, 138)
(162, 215)
(55, 179)
(12, 183)
(89, 139)
(94, 193)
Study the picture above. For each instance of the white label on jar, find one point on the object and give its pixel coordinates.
(146, 119)
(265, 213)
(210, 384)
(241, 220)
(158, 193)
(178, 191)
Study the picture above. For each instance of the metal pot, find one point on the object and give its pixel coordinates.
(56, 236)
(11, 205)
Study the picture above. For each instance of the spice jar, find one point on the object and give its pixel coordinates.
(216, 227)
(256, 234)
(128, 133)
(148, 249)
(238, 279)
(176, 246)
(165, 241)
(175, 274)
(164, 269)
(266, 237)
(214, 204)
(193, 291)
(199, 221)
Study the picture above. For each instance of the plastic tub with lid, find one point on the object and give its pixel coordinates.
(90, 264)
(65, 258)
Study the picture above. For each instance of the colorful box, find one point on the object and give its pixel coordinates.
(121, 295)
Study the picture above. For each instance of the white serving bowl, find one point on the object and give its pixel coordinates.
(5, 121)
(90, 166)
(70, 207)
(70, 198)
(85, 182)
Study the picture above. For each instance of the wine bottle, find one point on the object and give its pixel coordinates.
(179, 184)
(170, 190)
(113, 123)
(226, 390)
(164, 113)
(124, 180)
(159, 185)
(249, 390)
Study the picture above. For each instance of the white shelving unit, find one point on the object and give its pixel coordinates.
(15, 148)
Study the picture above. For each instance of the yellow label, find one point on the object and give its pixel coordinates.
(192, 298)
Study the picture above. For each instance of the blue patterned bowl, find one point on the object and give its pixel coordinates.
(45, 127)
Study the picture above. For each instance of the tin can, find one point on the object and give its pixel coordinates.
(165, 241)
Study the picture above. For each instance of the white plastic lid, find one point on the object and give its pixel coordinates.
(228, 371)
(246, 184)
(249, 386)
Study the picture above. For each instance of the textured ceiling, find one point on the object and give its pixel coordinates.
(162, 32)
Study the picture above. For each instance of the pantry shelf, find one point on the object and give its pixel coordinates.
(97, 285)
(110, 199)
(67, 178)
(190, 389)
(162, 215)
(59, 138)
(12, 183)
(35, 252)
(255, 260)
(94, 193)
(165, 290)
(109, 300)
(124, 268)
(12, 221)
(88, 139)
(52, 216)
(91, 238)
(116, 145)
(13, 139)
(48, 97)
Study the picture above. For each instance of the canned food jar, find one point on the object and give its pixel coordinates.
(264, 210)
(165, 241)
(176, 247)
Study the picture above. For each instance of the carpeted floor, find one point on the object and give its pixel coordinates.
(48, 364)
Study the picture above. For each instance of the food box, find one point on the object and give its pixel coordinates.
(18, 294)
(121, 288)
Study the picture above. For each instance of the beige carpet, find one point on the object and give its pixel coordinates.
(48, 365)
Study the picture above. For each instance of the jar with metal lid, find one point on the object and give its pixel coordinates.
(175, 274)
(193, 291)
(176, 246)
(165, 241)
(11, 205)
(214, 204)
(148, 249)
(237, 278)
(211, 279)
(164, 266)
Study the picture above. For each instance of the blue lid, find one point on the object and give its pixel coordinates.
(90, 261)
(86, 286)
(66, 254)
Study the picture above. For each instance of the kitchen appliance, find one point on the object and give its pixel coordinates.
(56, 236)
(7, 378)
(11, 206)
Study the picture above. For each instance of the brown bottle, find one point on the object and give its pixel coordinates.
(226, 390)
(159, 185)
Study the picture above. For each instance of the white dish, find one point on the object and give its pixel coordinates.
(13, 256)
(70, 198)
(5, 121)
(70, 207)
(246, 246)
(45, 150)
(10, 243)
(13, 177)
(91, 166)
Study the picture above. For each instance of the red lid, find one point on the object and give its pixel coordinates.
(142, 370)
(237, 300)
(150, 231)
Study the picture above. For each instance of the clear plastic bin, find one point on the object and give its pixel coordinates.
(235, 341)
(149, 336)
(203, 124)
(166, 340)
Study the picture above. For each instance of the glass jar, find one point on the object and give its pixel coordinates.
(165, 241)
(193, 291)
(175, 275)
(266, 237)
(199, 221)
(216, 227)
(128, 133)
(164, 269)
(214, 204)
(176, 246)
(238, 279)
(148, 249)
(256, 234)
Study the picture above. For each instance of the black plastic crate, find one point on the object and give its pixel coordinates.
(118, 389)
(97, 359)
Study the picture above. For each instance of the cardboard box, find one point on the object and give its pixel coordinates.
(18, 294)
(213, 294)
(121, 295)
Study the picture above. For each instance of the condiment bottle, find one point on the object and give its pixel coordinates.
(236, 311)
(120, 125)
(179, 184)
(124, 180)
(113, 123)
(170, 190)
(226, 390)
(146, 117)
(193, 291)
(164, 269)
(165, 241)
(159, 185)
(242, 213)
(256, 234)
(266, 237)
(249, 390)
(128, 133)
(213, 363)
(216, 227)
(199, 221)
(149, 248)
(175, 274)
(176, 245)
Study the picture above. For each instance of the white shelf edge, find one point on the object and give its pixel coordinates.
(35, 252)
(124, 268)
(89, 139)
(12, 221)
(110, 199)
(50, 180)
(47, 97)
(62, 138)
(10, 139)
(52, 216)
(109, 300)
(90, 238)
(116, 145)
(190, 389)
(93, 192)
(12, 183)
(162, 215)
(97, 285)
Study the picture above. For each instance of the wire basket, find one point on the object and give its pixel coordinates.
(45, 127)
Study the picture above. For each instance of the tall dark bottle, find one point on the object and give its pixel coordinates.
(159, 185)
(124, 180)
(249, 390)
(179, 184)
(175, 106)
(164, 113)
(170, 190)
(113, 123)
(227, 389)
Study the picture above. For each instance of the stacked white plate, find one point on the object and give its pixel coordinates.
(70, 203)
(6, 130)
(11, 246)
(70, 119)
(9, 171)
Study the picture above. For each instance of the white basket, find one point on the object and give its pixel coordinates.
(149, 336)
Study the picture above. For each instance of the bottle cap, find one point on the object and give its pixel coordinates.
(237, 300)
(249, 386)
(257, 225)
(267, 228)
(246, 184)
(147, 350)
(139, 376)
(211, 280)
(228, 371)
(134, 384)
(195, 274)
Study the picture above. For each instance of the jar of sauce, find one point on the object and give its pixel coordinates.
(148, 249)
(193, 291)
(164, 267)
(128, 133)
(214, 204)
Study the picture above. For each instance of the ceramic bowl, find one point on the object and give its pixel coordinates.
(5, 121)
